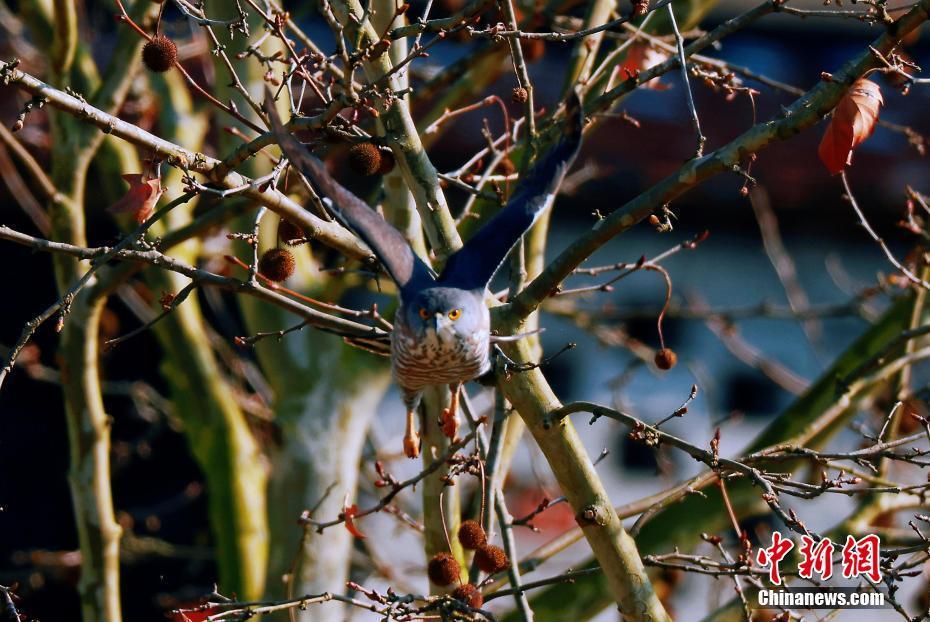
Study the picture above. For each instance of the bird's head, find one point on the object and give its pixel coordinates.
(446, 314)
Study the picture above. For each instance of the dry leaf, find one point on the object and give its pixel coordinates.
(853, 121)
(349, 514)
(141, 198)
(641, 57)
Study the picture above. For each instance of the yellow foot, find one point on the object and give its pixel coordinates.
(412, 445)
(450, 416)
(450, 423)
(411, 437)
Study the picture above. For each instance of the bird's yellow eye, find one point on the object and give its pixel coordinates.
(455, 314)
(424, 313)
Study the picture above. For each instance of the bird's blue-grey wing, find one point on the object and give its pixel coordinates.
(473, 266)
(387, 243)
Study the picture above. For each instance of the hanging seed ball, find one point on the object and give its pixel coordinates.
(470, 595)
(365, 158)
(520, 95)
(443, 569)
(491, 559)
(471, 535)
(387, 162)
(277, 264)
(666, 358)
(160, 54)
(291, 234)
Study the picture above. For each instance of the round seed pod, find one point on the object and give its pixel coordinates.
(471, 535)
(520, 95)
(443, 569)
(470, 595)
(159, 54)
(277, 264)
(491, 559)
(666, 358)
(291, 234)
(387, 162)
(365, 158)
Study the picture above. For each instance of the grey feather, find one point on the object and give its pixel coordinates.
(387, 243)
(473, 266)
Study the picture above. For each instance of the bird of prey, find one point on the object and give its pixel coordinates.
(442, 329)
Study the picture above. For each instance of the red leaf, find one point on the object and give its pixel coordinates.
(853, 121)
(349, 514)
(141, 198)
(640, 57)
(197, 614)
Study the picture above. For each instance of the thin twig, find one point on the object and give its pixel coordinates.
(701, 139)
(913, 278)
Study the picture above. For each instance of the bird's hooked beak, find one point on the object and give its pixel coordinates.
(440, 325)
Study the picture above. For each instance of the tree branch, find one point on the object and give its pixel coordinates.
(802, 114)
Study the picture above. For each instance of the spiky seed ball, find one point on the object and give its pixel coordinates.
(470, 595)
(491, 559)
(277, 264)
(520, 95)
(160, 54)
(443, 569)
(666, 358)
(387, 162)
(471, 535)
(365, 158)
(291, 234)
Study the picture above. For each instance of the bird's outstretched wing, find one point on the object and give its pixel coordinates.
(387, 243)
(473, 266)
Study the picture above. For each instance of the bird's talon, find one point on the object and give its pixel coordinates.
(412, 445)
(449, 420)
(450, 423)
(411, 437)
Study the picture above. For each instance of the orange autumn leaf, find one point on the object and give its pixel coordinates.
(853, 121)
(641, 57)
(141, 198)
(349, 514)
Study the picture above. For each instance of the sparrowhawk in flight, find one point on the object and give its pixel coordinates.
(442, 328)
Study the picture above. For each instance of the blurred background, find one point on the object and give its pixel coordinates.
(745, 374)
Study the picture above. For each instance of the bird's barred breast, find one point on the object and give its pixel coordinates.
(418, 365)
